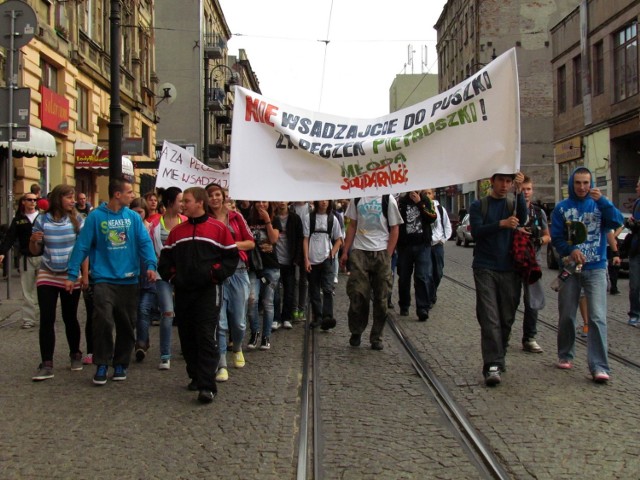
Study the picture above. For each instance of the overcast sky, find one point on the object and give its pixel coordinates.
(368, 44)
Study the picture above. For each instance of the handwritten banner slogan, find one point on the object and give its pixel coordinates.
(178, 168)
(279, 152)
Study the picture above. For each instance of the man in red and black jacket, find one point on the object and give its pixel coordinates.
(197, 257)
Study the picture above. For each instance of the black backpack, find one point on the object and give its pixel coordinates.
(312, 224)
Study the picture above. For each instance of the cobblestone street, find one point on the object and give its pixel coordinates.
(377, 419)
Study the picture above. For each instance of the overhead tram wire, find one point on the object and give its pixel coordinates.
(324, 59)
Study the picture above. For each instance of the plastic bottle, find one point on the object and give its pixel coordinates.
(569, 269)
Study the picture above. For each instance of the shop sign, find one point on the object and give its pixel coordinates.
(54, 111)
(568, 150)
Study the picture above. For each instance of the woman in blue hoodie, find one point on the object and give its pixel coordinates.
(588, 206)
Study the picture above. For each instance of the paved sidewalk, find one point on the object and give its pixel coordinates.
(10, 308)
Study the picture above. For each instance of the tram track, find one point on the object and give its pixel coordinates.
(614, 355)
(480, 454)
(309, 461)
(309, 437)
(477, 449)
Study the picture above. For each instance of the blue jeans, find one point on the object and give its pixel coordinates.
(235, 293)
(321, 280)
(634, 286)
(303, 283)
(164, 291)
(594, 283)
(416, 260)
(530, 319)
(437, 270)
(262, 292)
(147, 303)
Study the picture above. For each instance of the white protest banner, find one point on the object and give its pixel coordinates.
(279, 152)
(178, 168)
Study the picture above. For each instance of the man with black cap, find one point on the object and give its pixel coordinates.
(493, 221)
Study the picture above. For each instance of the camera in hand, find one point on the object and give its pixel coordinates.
(261, 276)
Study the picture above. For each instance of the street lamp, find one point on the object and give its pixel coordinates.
(214, 96)
(115, 112)
(479, 65)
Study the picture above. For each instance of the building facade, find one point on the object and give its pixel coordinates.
(192, 55)
(67, 68)
(471, 33)
(596, 101)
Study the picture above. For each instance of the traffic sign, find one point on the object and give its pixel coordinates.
(19, 134)
(21, 104)
(25, 23)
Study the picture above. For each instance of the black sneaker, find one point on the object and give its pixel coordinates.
(492, 376)
(253, 340)
(404, 312)
(193, 385)
(100, 378)
(206, 396)
(423, 315)
(140, 354)
(119, 373)
(377, 345)
(354, 341)
(265, 344)
(328, 323)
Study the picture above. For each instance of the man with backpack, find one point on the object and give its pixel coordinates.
(493, 221)
(370, 240)
(414, 252)
(322, 240)
(440, 234)
(537, 226)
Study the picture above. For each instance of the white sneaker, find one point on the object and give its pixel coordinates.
(275, 326)
(164, 364)
(287, 324)
(531, 346)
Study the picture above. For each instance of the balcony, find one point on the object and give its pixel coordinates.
(216, 98)
(214, 46)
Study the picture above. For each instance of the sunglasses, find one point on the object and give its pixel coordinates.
(30, 199)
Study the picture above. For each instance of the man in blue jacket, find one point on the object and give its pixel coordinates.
(116, 242)
(493, 221)
(587, 205)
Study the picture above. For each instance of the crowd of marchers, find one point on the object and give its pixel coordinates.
(218, 269)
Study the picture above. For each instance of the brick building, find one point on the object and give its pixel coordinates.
(596, 101)
(67, 68)
(473, 32)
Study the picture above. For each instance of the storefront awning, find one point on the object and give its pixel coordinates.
(40, 144)
(89, 155)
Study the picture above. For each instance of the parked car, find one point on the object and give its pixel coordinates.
(463, 232)
(624, 255)
(553, 259)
